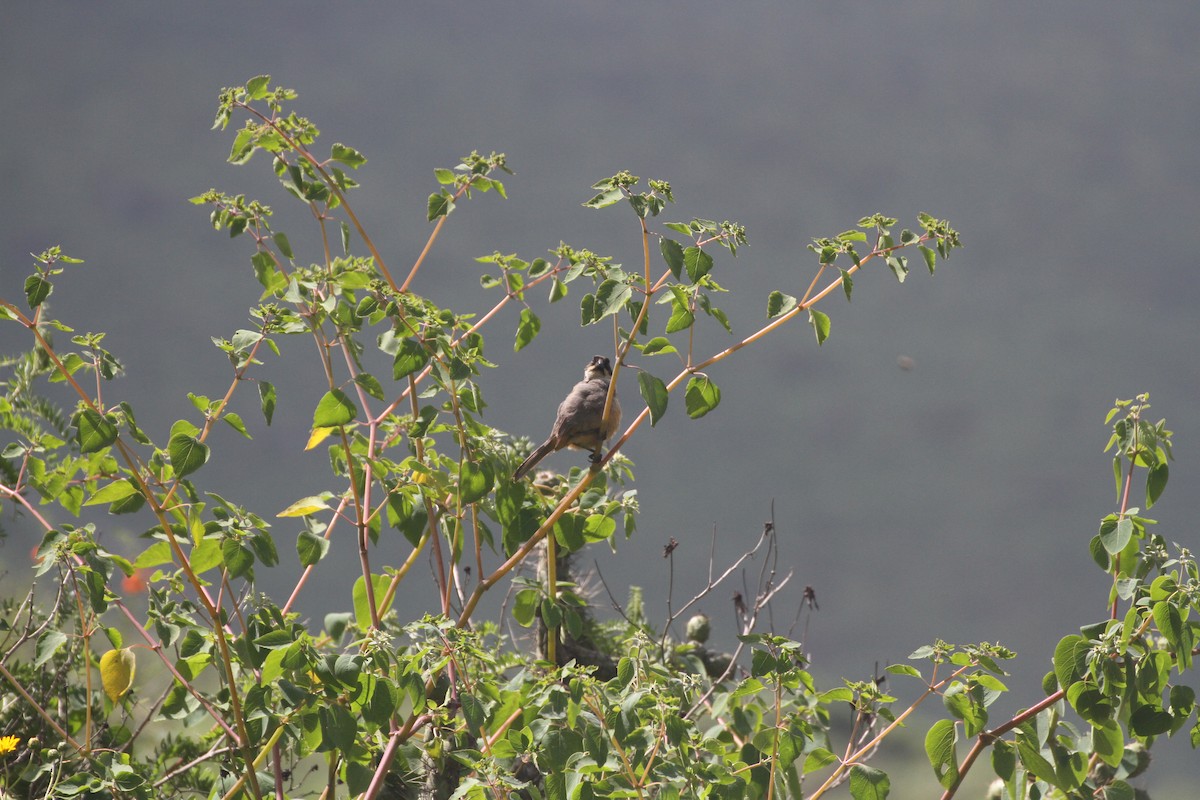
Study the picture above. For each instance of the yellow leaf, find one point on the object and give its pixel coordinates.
(318, 435)
(116, 672)
(304, 507)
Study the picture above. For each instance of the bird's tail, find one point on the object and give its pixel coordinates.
(544, 449)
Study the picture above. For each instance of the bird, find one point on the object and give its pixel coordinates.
(580, 421)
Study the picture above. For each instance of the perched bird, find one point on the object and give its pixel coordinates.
(580, 420)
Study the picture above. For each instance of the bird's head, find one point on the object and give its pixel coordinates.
(598, 367)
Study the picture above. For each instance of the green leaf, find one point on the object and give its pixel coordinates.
(672, 253)
(587, 309)
(868, 783)
(370, 384)
(311, 548)
(266, 399)
(37, 289)
(117, 490)
(779, 303)
(235, 421)
(525, 607)
(47, 646)
(818, 758)
(348, 156)
(1035, 762)
(527, 329)
(1148, 721)
(1070, 660)
(1115, 534)
(1170, 625)
(238, 559)
(939, 747)
(611, 296)
(475, 481)
(256, 87)
(604, 199)
(701, 396)
(96, 431)
(1156, 482)
(440, 205)
(654, 392)
(338, 728)
(847, 284)
(362, 609)
(698, 263)
(334, 410)
(188, 454)
(1109, 743)
(410, 357)
(899, 266)
(820, 324)
(1004, 760)
(657, 346)
(285, 246)
(681, 318)
(930, 257)
(904, 669)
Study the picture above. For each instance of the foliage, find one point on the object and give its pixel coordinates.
(235, 695)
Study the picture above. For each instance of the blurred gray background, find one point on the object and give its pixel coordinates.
(952, 500)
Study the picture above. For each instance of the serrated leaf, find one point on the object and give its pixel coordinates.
(347, 155)
(334, 410)
(701, 396)
(779, 303)
(820, 324)
(847, 284)
(37, 289)
(188, 454)
(654, 392)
